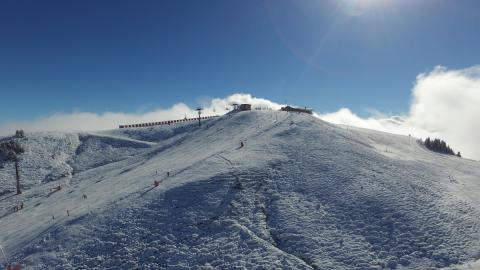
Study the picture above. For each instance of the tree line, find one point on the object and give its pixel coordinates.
(439, 146)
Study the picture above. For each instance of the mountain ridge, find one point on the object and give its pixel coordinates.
(301, 193)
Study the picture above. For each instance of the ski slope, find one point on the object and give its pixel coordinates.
(300, 194)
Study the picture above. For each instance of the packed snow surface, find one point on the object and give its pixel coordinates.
(300, 194)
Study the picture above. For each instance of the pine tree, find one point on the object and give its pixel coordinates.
(428, 143)
(439, 146)
(19, 134)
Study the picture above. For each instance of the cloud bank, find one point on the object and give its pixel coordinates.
(86, 121)
(445, 104)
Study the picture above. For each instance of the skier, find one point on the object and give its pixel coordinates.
(241, 144)
(168, 174)
(84, 196)
(156, 183)
(14, 267)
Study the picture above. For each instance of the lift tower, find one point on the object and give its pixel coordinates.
(199, 109)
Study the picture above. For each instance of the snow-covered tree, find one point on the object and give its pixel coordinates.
(11, 151)
(19, 134)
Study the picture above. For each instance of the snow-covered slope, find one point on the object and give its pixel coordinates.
(300, 194)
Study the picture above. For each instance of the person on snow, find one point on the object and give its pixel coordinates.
(156, 183)
(241, 144)
(14, 267)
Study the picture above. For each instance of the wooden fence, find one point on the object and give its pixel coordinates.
(168, 122)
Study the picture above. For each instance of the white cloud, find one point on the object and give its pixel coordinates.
(86, 121)
(445, 104)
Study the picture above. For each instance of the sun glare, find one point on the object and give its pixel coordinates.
(359, 7)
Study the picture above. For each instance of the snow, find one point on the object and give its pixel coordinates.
(300, 194)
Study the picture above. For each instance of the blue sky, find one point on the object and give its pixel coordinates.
(130, 56)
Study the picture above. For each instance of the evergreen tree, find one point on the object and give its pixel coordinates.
(439, 146)
(19, 134)
(428, 143)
